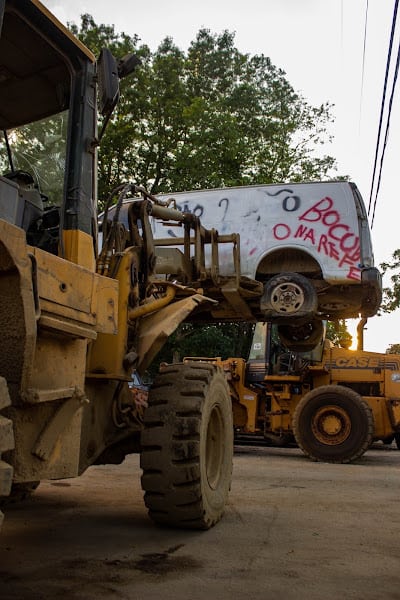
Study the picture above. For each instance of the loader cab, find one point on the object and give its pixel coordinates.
(269, 356)
(47, 120)
(48, 130)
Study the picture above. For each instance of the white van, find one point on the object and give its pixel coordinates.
(309, 243)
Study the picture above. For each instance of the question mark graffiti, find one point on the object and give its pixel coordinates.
(226, 200)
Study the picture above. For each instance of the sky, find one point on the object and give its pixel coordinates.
(321, 46)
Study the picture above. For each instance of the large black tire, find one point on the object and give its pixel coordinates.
(301, 338)
(6, 444)
(333, 424)
(397, 440)
(289, 297)
(187, 446)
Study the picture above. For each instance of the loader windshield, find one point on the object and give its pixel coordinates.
(47, 123)
(38, 149)
(35, 92)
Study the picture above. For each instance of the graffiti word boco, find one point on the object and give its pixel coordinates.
(322, 226)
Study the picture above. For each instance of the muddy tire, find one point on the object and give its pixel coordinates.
(302, 338)
(289, 297)
(333, 424)
(6, 444)
(397, 440)
(187, 446)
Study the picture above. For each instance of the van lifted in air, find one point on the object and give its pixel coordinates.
(308, 244)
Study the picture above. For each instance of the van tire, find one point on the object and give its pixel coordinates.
(289, 297)
(301, 338)
(187, 446)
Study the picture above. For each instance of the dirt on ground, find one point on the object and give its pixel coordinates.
(293, 530)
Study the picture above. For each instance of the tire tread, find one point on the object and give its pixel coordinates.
(170, 456)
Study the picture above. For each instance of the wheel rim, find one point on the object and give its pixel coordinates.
(214, 447)
(331, 425)
(287, 298)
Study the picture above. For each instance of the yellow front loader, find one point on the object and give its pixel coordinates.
(332, 402)
(81, 312)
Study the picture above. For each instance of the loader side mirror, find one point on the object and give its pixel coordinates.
(127, 64)
(109, 72)
(108, 80)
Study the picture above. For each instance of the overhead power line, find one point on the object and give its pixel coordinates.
(378, 141)
(396, 72)
(363, 65)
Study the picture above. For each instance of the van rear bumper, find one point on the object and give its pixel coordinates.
(371, 280)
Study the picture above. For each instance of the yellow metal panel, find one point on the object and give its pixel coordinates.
(59, 363)
(79, 249)
(394, 411)
(354, 366)
(105, 304)
(155, 328)
(64, 459)
(48, 307)
(64, 30)
(382, 425)
(73, 292)
(63, 282)
(248, 398)
(392, 376)
(107, 352)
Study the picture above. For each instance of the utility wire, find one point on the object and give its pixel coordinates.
(396, 72)
(394, 19)
(363, 66)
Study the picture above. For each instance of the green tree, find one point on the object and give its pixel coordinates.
(393, 349)
(119, 157)
(338, 334)
(208, 117)
(391, 293)
(224, 340)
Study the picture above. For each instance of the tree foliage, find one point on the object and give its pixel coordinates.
(222, 340)
(208, 117)
(391, 293)
(393, 349)
(338, 334)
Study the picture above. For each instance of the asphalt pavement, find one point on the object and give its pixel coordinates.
(293, 530)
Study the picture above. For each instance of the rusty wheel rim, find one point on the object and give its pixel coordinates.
(287, 298)
(331, 425)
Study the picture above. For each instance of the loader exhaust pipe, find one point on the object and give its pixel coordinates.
(360, 333)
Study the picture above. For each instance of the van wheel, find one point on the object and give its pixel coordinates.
(333, 424)
(6, 444)
(302, 338)
(187, 446)
(289, 296)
